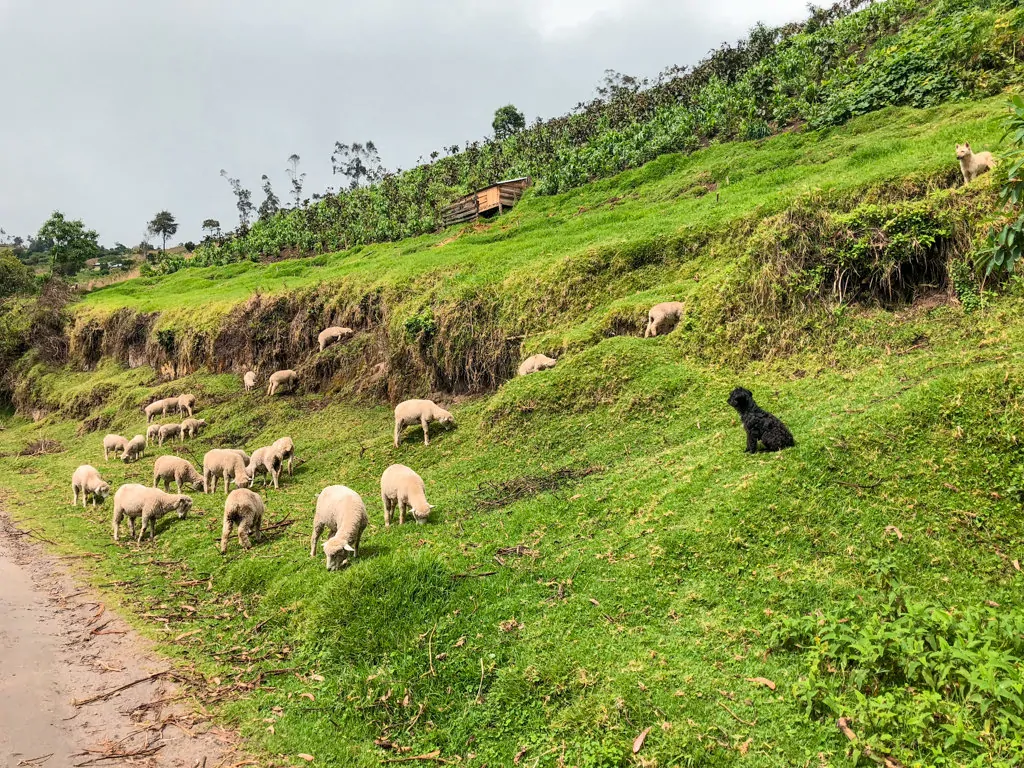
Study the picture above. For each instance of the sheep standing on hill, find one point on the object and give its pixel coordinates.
(286, 448)
(265, 460)
(112, 444)
(662, 318)
(135, 449)
(244, 509)
(152, 433)
(249, 381)
(86, 480)
(420, 412)
(341, 512)
(181, 471)
(160, 407)
(221, 462)
(170, 431)
(149, 504)
(401, 487)
(536, 363)
(282, 380)
(973, 165)
(186, 403)
(192, 427)
(332, 335)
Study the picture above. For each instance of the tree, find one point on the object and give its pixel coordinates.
(507, 120)
(190, 246)
(296, 177)
(72, 244)
(15, 277)
(163, 225)
(243, 202)
(271, 204)
(211, 227)
(357, 162)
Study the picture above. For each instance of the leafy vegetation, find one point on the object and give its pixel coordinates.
(1006, 244)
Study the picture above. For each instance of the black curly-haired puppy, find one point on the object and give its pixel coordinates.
(760, 424)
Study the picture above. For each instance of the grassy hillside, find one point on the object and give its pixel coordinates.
(603, 558)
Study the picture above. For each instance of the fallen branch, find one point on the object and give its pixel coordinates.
(126, 686)
(140, 753)
(740, 719)
(435, 756)
(472, 575)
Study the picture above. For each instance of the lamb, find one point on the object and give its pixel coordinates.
(181, 471)
(112, 444)
(973, 165)
(759, 424)
(332, 335)
(244, 509)
(170, 431)
(221, 462)
(663, 318)
(160, 406)
(86, 480)
(536, 363)
(149, 504)
(286, 448)
(265, 460)
(401, 487)
(422, 411)
(152, 433)
(281, 380)
(249, 380)
(186, 403)
(191, 427)
(341, 511)
(135, 449)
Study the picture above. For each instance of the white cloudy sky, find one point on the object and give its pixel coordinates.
(115, 109)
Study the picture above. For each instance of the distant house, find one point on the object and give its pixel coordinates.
(489, 201)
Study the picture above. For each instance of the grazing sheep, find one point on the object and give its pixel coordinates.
(186, 403)
(160, 406)
(663, 318)
(341, 511)
(149, 504)
(401, 487)
(240, 452)
(152, 433)
(536, 363)
(112, 444)
(135, 449)
(87, 481)
(170, 431)
(332, 335)
(281, 380)
(973, 165)
(244, 509)
(181, 471)
(249, 380)
(221, 462)
(422, 412)
(759, 424)
(286, 448)
(192, 427)
(267, 461)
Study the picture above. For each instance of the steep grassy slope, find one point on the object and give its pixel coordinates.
(545, 620)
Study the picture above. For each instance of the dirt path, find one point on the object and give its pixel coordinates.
(59, 645)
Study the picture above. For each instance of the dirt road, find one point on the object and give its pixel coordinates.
(60, 645)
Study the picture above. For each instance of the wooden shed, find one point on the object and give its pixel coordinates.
(488, 201)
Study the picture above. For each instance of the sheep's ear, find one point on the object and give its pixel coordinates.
(429, 505)
(350, 548)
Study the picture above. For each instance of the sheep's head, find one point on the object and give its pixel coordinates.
(201, 422)
(243, 479)
(444, 417)
(422, 513)
(184, 505)
(338, 552)
(102, 491)
(963, 150)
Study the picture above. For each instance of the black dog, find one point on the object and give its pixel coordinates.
(760, 424)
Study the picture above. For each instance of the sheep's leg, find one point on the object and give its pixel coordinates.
(227, 483)
(131, 525)
(277, 475)
(85, 496)
(117, 523)
(426, 432)
(243, 535)
(387, 510)
(318, 530)
(105, 458)
(401, 512)
(398, 429)
(290, 466)
(74, 490)
(225, 534)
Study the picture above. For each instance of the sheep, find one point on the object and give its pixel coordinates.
(186, 403)
(536, 363)
(87, 481)
(152, 433)
(663, 318)
(286, 448)
(422, 411)
(181, 471)
(224, 463)
(149, 504)
(332, 335)
(240, 452)
(282, 379)
(249, 380)
(265, 460)
(244, 509)
(401, 487)
(341, 511)
(112, 444)
(135, 449)
(973, 165)
(159, 406)
(170, 431)
(191, 427)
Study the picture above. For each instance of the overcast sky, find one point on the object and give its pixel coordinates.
(115, 109)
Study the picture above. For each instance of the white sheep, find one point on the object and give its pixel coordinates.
(401, 487)
(286, 448)
(186, 403)
(112, 444)
(332, 335)
(265, 460)
(170, 431)
(281, 380)
(244, 509)
(152, 433)
(422, 412)
(663, 318)
(181, 471)
(222, 462)
(86, 480)
(135, 449)
(160, 406)
(192, 427)
(341, 511)
(137, 501)
(536, 363)
(240, 452)
(249, 380)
